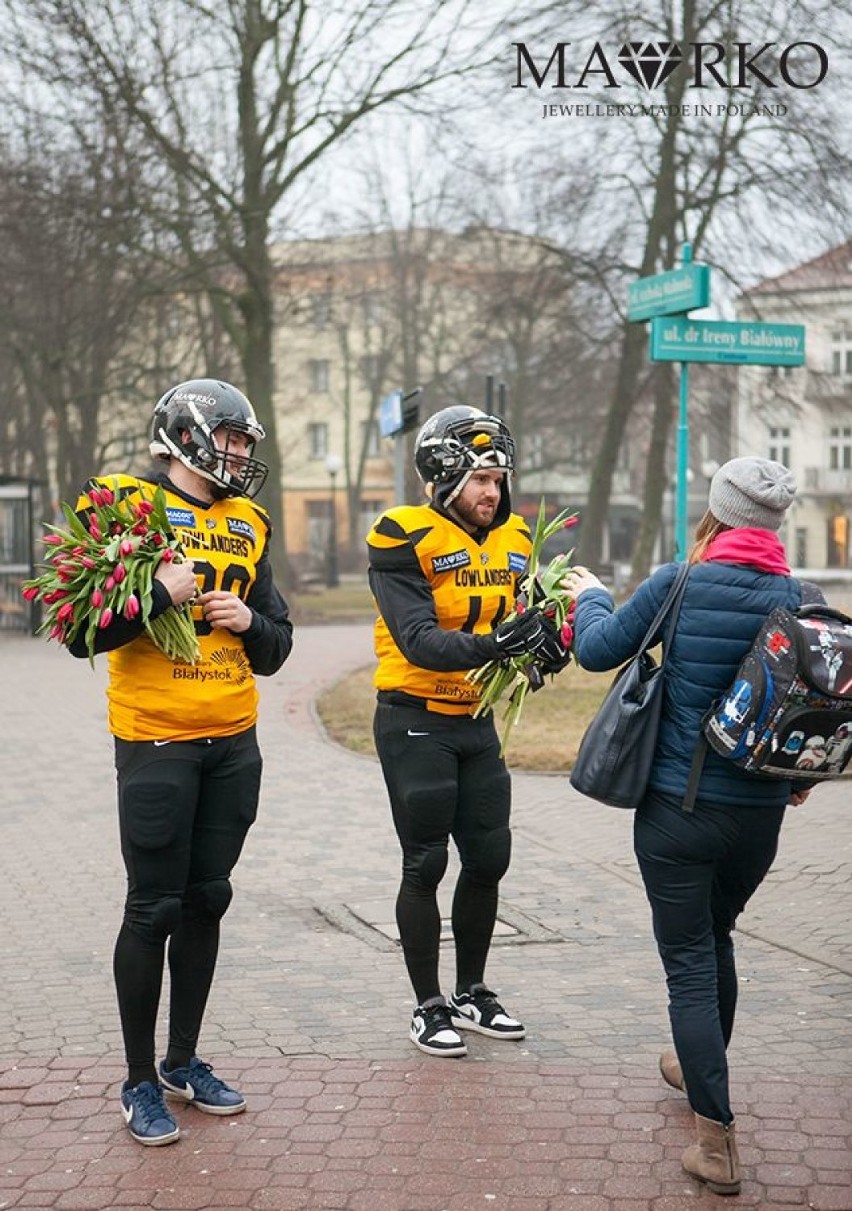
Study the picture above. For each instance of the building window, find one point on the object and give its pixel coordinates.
(369, 510)
(372, 309)
(318, 440)
(319, 372)
(534, 451)
(801, 548)
(321, 311)
(840, 448)
(371, 365)
(779, 444)
(838, 541)
(841, 353)
(370, 438)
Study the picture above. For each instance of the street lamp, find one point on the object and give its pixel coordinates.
(333, 464)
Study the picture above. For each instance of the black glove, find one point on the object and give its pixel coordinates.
(529, 632)
(553, 657)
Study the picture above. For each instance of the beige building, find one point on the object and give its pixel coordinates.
(803, 416)
(360, 316)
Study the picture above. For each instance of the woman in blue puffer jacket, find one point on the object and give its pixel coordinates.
(701, 868)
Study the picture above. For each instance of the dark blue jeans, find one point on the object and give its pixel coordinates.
(700, 869)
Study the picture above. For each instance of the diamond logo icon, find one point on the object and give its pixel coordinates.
(650, 63)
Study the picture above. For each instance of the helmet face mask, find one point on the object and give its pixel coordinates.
(455, 443)
(462, 439)
(183, 427)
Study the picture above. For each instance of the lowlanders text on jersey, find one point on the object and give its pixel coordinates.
(473, 578)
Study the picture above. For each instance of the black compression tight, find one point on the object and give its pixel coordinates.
(138, 968)
(418, 918)
(445, 777)
(184, 811)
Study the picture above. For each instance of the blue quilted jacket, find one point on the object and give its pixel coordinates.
(723, 607)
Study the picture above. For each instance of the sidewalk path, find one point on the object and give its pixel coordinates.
(310, 1007)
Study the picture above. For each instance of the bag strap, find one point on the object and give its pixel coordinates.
(671, 603)
(695, 769)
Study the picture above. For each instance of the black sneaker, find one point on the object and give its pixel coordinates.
(199, 1084)
(432, 1031)
(480, 1010)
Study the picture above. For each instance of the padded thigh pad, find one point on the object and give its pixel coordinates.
(211, 899)
(149, 815)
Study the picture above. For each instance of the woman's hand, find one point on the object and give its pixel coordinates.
(798, 797)
(580, 579)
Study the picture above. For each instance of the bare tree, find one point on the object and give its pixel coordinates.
(72, 300)
(736, 176)
(240, 103)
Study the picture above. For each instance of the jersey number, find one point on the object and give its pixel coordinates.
(233, 579)
(474, 611)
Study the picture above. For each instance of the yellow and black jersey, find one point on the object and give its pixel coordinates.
(439, 590)
(150, 696)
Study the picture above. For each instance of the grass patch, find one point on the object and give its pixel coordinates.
(547, 737)
(351, 601)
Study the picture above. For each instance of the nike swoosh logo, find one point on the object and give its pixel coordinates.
(160, 743)
(417, 733)
(127, 1111)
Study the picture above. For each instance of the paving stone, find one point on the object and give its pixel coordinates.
(311, 1019)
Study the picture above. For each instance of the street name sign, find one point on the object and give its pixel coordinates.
(678, 290)
(681, 339)
(390, 414)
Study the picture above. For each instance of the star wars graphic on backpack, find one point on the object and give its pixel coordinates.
(788, 712)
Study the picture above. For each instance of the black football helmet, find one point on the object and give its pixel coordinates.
(198, 408)
(457, 441)
(460, 439)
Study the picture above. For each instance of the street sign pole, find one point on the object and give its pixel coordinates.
(682, 509)
(397, 416)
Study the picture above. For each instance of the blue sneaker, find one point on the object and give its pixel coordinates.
(146, 1115)
(198, 1083)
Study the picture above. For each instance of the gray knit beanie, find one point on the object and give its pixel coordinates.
(752, 492)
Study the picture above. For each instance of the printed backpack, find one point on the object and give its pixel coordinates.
(788, 711)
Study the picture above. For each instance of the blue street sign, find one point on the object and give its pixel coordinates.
(678, 338)
(390, 414)
(678, 290)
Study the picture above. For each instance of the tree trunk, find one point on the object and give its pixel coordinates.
(656, 476)
(593, 517)
(258, 372)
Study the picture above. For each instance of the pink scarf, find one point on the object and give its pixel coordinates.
(761, 549)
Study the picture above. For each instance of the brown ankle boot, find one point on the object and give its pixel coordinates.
(714, 1159)
(672, 1071)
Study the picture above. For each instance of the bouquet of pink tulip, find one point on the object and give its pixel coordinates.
(105, 566)
(517, 675)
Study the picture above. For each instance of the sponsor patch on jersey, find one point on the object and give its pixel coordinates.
(180, 517)
(446, 563)
(238, 525)
(517, 562)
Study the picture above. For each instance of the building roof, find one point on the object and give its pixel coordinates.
(830, 270)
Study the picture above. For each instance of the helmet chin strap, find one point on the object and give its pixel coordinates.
(451, 496)
(487, 461)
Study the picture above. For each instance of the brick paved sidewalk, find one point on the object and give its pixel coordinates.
(310, 1006)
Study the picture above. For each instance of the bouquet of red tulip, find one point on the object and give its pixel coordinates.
(517, 675)
(105, 566)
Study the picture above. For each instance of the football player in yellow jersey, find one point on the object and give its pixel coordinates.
(445, 576)
(186, 751)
